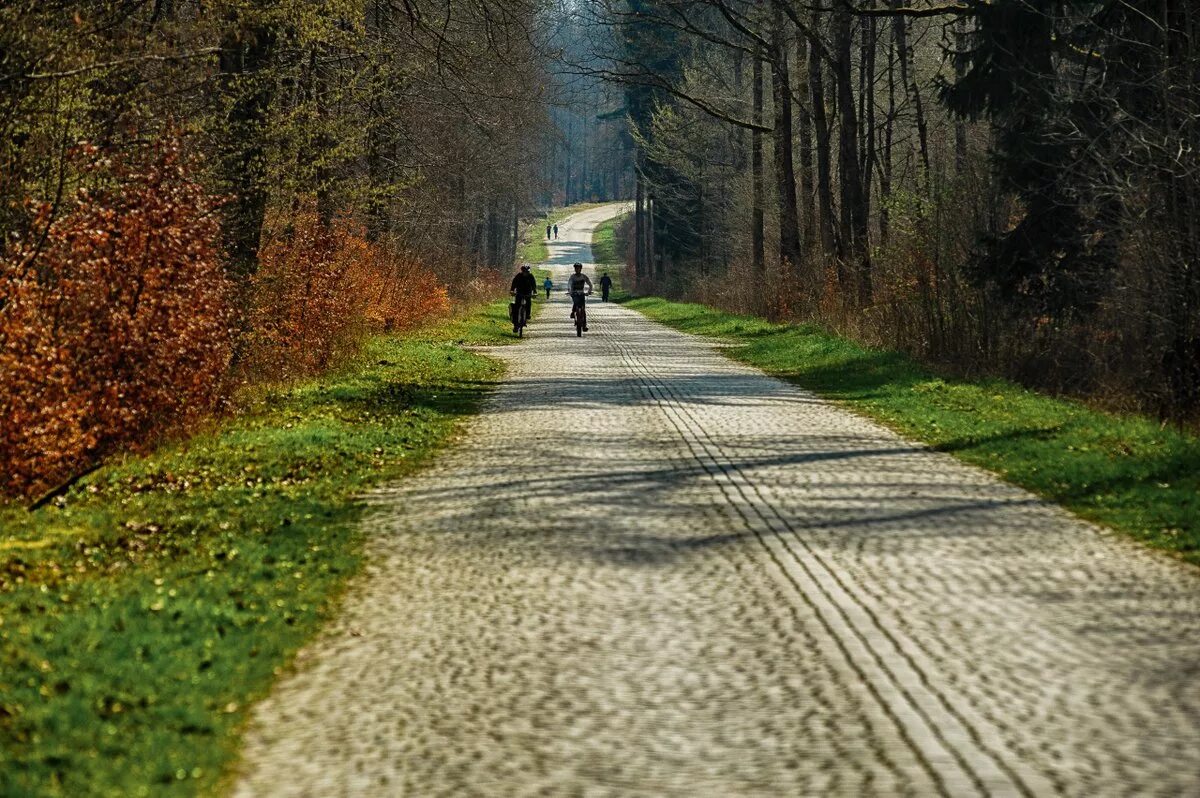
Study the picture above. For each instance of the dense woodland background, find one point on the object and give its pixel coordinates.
(196, 195)
(1005, 187)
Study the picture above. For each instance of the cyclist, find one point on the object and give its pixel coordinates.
(523, 287)
(579, 285)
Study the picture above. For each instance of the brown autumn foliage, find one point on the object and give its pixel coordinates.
(318, 290)
(398, 290)
(115, 321)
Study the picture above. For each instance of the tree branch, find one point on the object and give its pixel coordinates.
(121, 62)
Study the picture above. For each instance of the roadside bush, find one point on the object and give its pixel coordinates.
(304, 312)
(114, 318)
(483, 284)
(400, 292)
(318, 290)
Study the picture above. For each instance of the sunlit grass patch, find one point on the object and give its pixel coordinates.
(488, 326)
(608, 251)
(140, 615)
(605, 246)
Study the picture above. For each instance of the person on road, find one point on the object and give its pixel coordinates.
(555, 232)
(547, 232)
(605, 285)
(548, 284)
(523, 287)
(579, 285)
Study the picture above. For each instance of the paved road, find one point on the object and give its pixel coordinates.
(650, 571)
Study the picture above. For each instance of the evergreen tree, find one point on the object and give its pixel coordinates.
(654, 55)
(1055, 258)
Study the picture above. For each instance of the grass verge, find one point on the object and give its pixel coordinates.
(608, 249)
(1125, 472)
(143, 613)
(609, 243)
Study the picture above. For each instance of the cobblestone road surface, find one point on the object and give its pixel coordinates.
(650, 571)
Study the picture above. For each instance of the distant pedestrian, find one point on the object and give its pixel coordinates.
(555, 232)
(547, 232)
(605, 284)
(548, 284)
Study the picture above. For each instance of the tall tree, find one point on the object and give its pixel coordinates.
(782, 141)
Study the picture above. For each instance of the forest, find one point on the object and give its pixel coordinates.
(199, 195)
(195, 196)
(998, 188)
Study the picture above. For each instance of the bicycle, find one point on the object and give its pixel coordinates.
(580, 314)
(519, 312)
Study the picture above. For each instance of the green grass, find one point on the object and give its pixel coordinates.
(606, 249)
(532, 249)
(143, 613)
(485, 326)
(1125, 472)
(608, 252)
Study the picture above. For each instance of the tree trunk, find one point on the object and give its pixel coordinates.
(464, 215)
(785, 172)
(885, 165)
(757, 246)
(900, 29)
(701, 221)
(867, 103)
(808, 222)
(376, 212)
(853, 206)
(515, 229)
(816, 80)
(960, 124)
(655, 269)
(639, 224)
(494, 258)
(570, 146)
(244, 55)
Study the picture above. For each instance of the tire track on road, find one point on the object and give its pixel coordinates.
(979, 765)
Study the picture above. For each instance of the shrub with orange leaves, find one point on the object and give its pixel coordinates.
(304, 312)
(115, 321)
(318, 290)
(400, 292)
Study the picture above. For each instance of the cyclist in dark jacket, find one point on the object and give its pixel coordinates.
(523, 287)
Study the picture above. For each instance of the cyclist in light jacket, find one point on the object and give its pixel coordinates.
(579, 285)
